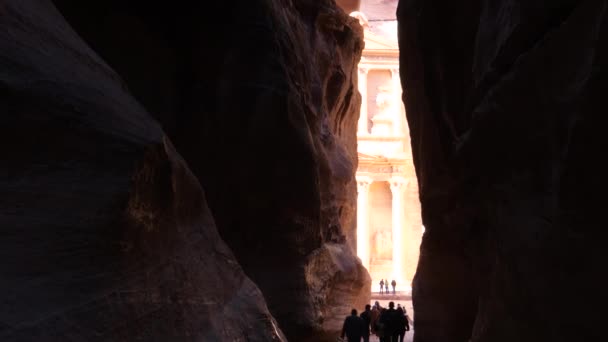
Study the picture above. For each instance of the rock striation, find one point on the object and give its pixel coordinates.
(504, 102)
(106, 233)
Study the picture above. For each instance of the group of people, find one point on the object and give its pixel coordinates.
(389, 324)
(384, 286)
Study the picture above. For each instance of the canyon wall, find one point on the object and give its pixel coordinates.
(285, 199)
(106, 234)
(260, 99)
(349, 6)
(504, 102)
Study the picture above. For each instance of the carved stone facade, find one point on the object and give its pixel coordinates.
(389, 224)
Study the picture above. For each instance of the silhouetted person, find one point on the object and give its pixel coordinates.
(381, 328)
(394, 284)
(404, 324)
(407, 318)
(389, 319)
(353, 327)
(375, 315)
(382, 285)
(366, 316)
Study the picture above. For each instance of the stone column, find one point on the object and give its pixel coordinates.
(362, 125)
(397, 186)
(399, 117)
(363, 240)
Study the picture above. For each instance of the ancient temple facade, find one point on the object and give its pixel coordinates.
(389, 225)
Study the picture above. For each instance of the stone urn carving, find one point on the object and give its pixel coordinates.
(383, 121)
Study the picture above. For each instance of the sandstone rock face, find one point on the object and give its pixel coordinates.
(106, 234)
(285, 199)
(349, 6)
(504, 103)
(259, 97)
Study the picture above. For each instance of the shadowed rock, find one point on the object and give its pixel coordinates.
(260, 99)
(106, 234)
(504, 104)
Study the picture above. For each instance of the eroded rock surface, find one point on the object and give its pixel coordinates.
(504, 103)
(260, 99)
(106, 234)
(285, 201)
(349, 6)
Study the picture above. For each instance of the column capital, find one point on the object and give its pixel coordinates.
(363, 70)
(398, 183)
(363, 182)
(395, 71)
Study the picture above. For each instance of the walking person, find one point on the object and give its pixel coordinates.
(375, 315)
(406, 319)
(377, 304)
(402, 325)
(366, 316)
(382, 285)
(389, 319)
(394, 284)
(382, 326)
(353, 327)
